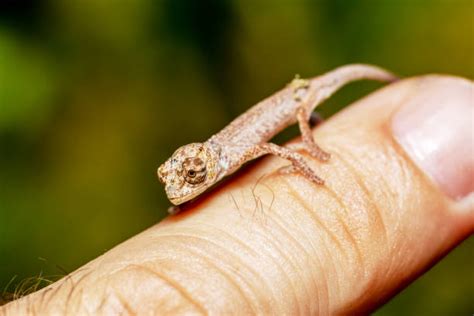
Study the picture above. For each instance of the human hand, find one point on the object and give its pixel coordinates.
(398, 197)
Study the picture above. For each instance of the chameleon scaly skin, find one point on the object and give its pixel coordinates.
(195, 167)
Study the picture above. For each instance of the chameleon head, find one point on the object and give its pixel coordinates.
(190, 171)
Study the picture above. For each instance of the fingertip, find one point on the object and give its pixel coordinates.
(435, 128)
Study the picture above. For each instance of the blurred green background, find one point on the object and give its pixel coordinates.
(94, 95)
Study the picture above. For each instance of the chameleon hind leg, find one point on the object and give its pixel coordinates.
(309, 144)
(298, 163)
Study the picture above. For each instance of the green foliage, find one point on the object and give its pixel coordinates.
(27, 84)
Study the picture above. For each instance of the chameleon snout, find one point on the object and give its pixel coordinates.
(161, 174)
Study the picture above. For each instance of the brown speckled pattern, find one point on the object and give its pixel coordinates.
(246, 137)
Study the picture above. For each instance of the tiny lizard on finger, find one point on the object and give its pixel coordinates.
(195, 167)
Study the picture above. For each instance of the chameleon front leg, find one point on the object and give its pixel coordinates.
(303, 116)
(309, 144)
(296, 159)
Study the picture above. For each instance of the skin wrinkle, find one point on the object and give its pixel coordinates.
(394, 153)
(368, 197)
(325, 281)
(30, 307)
(283, 271)
(352, 240)
(297, 197)
(297, 244)
(407, 167)
(401, 157)
(403, 166)
(385, 129)
(115, 298)
(219, 232)
(181, 269)
(43, 296)
(68, 298)
(343, 207)
(383, 181)
(317, 286)
(79, 301)
(54, 291)
(389, 266)
(328, 252)
(241, 263)
(81, 290)
(405, 174)
(267, 287)
(126, 307)
(311, 214)
(82, 278)
(408, 170)
(59, 286)
(105, 297)
(253, 272)
(337, 198)
(279, 267)
(371, 199)
(230, 276)
(172, 284)
(357, 186)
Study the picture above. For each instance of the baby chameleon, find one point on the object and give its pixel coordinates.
(195, 167)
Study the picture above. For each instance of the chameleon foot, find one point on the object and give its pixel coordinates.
(314, 150)
(291, 169)
(298, 163)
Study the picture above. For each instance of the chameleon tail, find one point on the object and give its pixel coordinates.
(322, 87)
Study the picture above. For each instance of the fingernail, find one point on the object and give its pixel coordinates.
(436, 129)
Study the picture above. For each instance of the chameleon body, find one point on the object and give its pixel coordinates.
(195, 167)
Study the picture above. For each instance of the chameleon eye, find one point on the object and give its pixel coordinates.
(194, 170)
(195, 177)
